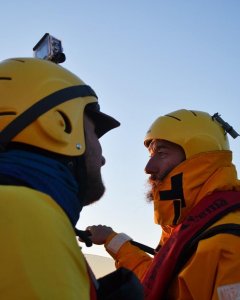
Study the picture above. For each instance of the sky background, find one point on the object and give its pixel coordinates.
(143, 58)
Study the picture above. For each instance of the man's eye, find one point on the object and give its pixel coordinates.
(161, 153)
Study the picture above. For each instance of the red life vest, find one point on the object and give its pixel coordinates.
(166, 262)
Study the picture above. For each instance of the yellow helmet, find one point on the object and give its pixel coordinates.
(42, 104)
(194, 131)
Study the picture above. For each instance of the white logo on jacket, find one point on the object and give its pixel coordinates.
(229, 292)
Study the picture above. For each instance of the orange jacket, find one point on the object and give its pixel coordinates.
(213, 270)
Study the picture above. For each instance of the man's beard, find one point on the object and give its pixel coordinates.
(94, 188)
(151, 185)
(149, 196)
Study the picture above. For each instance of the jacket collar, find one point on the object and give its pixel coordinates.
(189, 182)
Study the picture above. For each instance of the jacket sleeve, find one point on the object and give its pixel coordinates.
(130, 257)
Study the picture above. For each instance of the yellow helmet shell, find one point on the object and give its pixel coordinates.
(194, 131)
(26, 81)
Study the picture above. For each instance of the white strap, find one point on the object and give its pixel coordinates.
(116, 242)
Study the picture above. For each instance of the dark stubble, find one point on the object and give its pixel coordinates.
(94, 188)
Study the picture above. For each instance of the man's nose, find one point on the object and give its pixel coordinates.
(151, 166)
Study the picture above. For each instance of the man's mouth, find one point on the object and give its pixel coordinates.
(153, 181)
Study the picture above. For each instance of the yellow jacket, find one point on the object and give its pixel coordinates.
(40, 257)
(213, 270)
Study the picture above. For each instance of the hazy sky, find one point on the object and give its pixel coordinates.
(143, 58)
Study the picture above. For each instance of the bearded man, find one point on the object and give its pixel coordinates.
(196, 198)
(50, 168)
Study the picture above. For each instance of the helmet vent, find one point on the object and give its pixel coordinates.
(193, 112)
(19, 60)
(5, 78)
(173, 117)
(68, 126)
